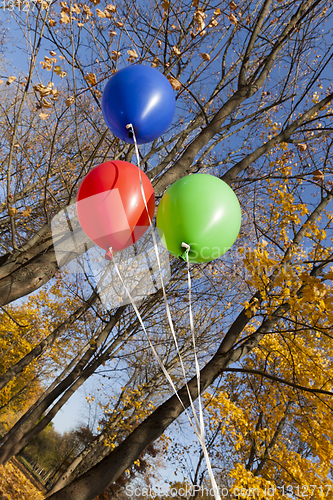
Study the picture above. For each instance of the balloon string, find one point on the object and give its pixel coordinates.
(159, 361)
(202, 425)
(199, 425)
(130, 126)
(151, 345)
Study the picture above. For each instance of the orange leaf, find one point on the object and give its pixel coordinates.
(100, 13)
(232, 18)
(175, 84)
(64, 18)
(10, 80)
(91, 79)
(318, 175)
(132, 53)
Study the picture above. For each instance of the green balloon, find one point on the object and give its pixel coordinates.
(202, 211)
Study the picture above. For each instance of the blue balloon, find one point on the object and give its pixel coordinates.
(142, 96)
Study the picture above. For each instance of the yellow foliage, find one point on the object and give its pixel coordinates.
(15, 486)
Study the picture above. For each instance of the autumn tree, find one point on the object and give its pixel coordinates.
(251, 79)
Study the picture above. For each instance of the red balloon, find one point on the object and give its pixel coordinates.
(110, 205)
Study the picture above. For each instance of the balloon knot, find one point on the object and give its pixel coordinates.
(130, 129)
(184, 255)
(109, 254)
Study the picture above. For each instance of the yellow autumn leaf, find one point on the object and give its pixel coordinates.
(302, 147)
(115, 55)
(10, 80)
(57, 70)
(95, 2)
(175, 84)
(91, 79)
(205, 56)
(50, 59)
(165, 5)
(217, 12)
(52, 53)
(64, 7)
(176, 51)
(64, 18)
(232, 5)
(110, 8)
(1, 81)
(87, 10)
(212, 23)
(27, 212)
(12, 211)
(119, 24)
(45, 103)
(156, 62)
(43, 116)
(232, 18)
(112, 33)
(69, 101)
(132, 53)
(43, 3)
(76, 9)
(52, 22)
(318, 175)
(100, 13)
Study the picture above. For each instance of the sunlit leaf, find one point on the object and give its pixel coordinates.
(100, 13)
(45, 103)
(318, 175)
(64, 18)
(176, 85)
(233, 19)
(115, 55)
(87, 10)
(10, 80)
(91, 79)
(76, 9)
(69, 101)
(12, 211)
(110, 8)
(132, 53)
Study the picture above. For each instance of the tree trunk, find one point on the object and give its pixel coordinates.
(73, 381)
